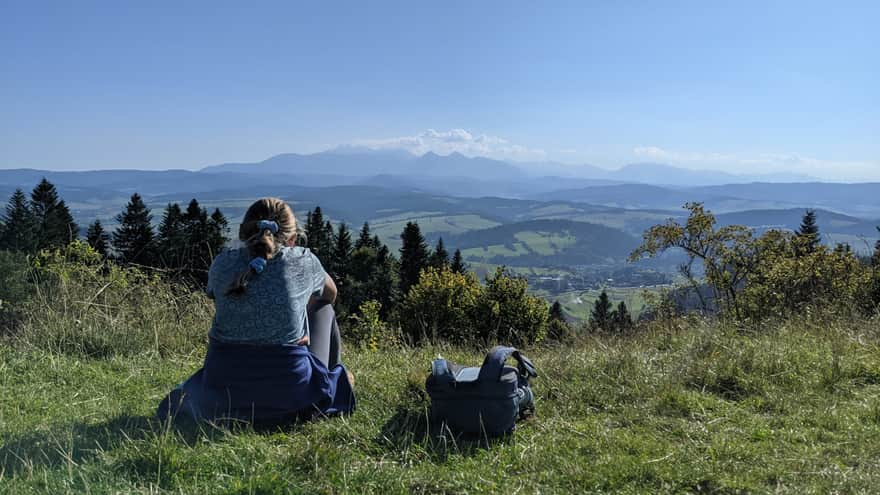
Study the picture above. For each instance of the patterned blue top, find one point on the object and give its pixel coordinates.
(272, 309)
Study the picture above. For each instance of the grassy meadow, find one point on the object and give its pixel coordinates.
(685, 406)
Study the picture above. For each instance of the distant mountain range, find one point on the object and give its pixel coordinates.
(362, 162)
(356, 185)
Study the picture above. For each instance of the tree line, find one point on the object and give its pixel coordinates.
(415, 291)
(184, 245)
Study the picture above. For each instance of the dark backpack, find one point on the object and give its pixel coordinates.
(486, 400)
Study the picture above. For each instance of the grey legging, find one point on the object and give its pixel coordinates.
(324, 339)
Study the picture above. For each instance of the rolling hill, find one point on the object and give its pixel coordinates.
(545, 243)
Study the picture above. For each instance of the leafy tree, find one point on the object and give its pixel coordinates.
(413, 256)
(98, 238)
(809, 233)
(728, 254)
(602, 318)
(133, 240)
(458, 265)
(621, 319)
(18, 225)
(53, 222)
(439, 257)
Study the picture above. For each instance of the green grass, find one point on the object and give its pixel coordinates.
(686, 406)
(579, 304)
(546, 243)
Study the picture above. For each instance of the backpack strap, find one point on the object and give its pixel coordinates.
(493, 365)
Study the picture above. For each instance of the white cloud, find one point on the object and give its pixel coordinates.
(455, 140)
(764, 163)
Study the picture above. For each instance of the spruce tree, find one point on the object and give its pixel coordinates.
(341, 255)
(319, 238)
(19, 225)
(385, 281)
(133, 239)
(171, 241)
(622, 320)
(53, 222)
(218, 230)
(809, 233)
(413, 256)
(364, 239)
(98, 238)
(601, 316)
(458, 265)
(439, 258)
(556, 312)
(558, 328)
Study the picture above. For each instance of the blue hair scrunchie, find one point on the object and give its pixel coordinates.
(267, 224)
(258, 264)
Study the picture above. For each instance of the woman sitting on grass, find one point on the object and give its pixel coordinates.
(274, 346)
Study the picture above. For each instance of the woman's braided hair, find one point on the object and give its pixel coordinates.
(262, 243)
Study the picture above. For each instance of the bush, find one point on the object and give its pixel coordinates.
(511, 314)
(367, 328)
(455, 307)
(442, 306)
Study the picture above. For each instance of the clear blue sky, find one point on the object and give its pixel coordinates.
(738, 86)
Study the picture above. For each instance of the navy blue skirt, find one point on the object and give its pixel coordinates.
(260, 384)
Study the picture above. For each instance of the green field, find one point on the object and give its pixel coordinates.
(686, 407)
(579, 304)
(389, 228)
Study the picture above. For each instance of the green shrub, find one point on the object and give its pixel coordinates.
(509, 313)
(442, 306)
(367, 328)
(455, 307)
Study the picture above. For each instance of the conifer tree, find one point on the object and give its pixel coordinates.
(413, 256)
(558, 329)
(622, 320)
(556, 312)
(458, 265)
(385, 280)
(439, 258)
(98, 238)
(171, 241)
(18, 225)
(809, 233)
(341, 255)
(133, 239)
(218, 230)
(319, 238)
(364, 239)
(53, 222)
(601, 316)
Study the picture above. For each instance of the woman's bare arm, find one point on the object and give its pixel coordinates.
(329, 292)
